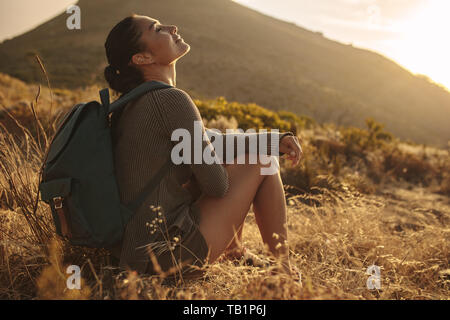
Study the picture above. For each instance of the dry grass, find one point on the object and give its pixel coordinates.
(345, 213)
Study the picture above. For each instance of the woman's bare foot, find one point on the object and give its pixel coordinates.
(287, 269)
(233, 254)
(244, 256)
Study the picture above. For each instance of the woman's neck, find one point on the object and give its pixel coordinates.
(162, 73)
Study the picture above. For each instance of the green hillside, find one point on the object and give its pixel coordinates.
(246, 56)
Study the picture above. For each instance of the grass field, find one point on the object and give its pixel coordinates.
(359, 197)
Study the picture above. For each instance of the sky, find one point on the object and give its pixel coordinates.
(414, 33)
(19, 16)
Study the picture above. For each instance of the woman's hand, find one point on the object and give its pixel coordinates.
(291, 146)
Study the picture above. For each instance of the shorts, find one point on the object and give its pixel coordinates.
(181, 254)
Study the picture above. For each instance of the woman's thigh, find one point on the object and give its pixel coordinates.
(222, 217)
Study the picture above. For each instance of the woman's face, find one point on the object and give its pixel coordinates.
(161, 42)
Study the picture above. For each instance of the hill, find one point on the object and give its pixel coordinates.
(246, 56)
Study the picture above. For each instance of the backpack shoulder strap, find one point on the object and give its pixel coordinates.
(133, 94)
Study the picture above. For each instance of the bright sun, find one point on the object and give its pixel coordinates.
(424, 46)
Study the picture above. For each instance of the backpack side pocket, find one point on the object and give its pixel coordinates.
(55, 193)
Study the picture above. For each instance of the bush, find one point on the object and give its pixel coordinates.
(408, 167)
(359, 140)
(251, 116)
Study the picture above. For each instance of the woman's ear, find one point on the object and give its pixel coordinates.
(141, 58)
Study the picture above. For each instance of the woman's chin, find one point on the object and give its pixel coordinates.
(187, 48)
(183, 44)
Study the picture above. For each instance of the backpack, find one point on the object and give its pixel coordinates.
(78, 178)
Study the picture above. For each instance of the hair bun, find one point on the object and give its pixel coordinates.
(111, 76)
(111, 70)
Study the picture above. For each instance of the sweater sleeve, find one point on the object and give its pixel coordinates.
(238, 142)
(184, 127)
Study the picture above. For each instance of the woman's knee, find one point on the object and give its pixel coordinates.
(248, 159)
(263, 165)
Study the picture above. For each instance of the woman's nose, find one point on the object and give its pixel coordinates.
(174, 29)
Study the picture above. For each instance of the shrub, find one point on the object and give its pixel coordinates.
(366, 139)
(408, 167)
(248, 116)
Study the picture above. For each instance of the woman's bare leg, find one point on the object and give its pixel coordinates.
(222, 217)
(270, 197)
(269, 206)
(235, 249)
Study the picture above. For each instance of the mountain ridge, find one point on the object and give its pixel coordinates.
(242, 52)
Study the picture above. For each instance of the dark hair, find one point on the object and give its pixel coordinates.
(122, 43)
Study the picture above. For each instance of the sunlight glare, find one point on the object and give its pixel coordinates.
(425, 45)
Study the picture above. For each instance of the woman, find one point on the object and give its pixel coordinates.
(187, 231)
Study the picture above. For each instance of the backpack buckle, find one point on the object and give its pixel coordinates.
(58, 202)
(65, 229)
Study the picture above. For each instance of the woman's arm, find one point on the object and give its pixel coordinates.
(263, 143)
